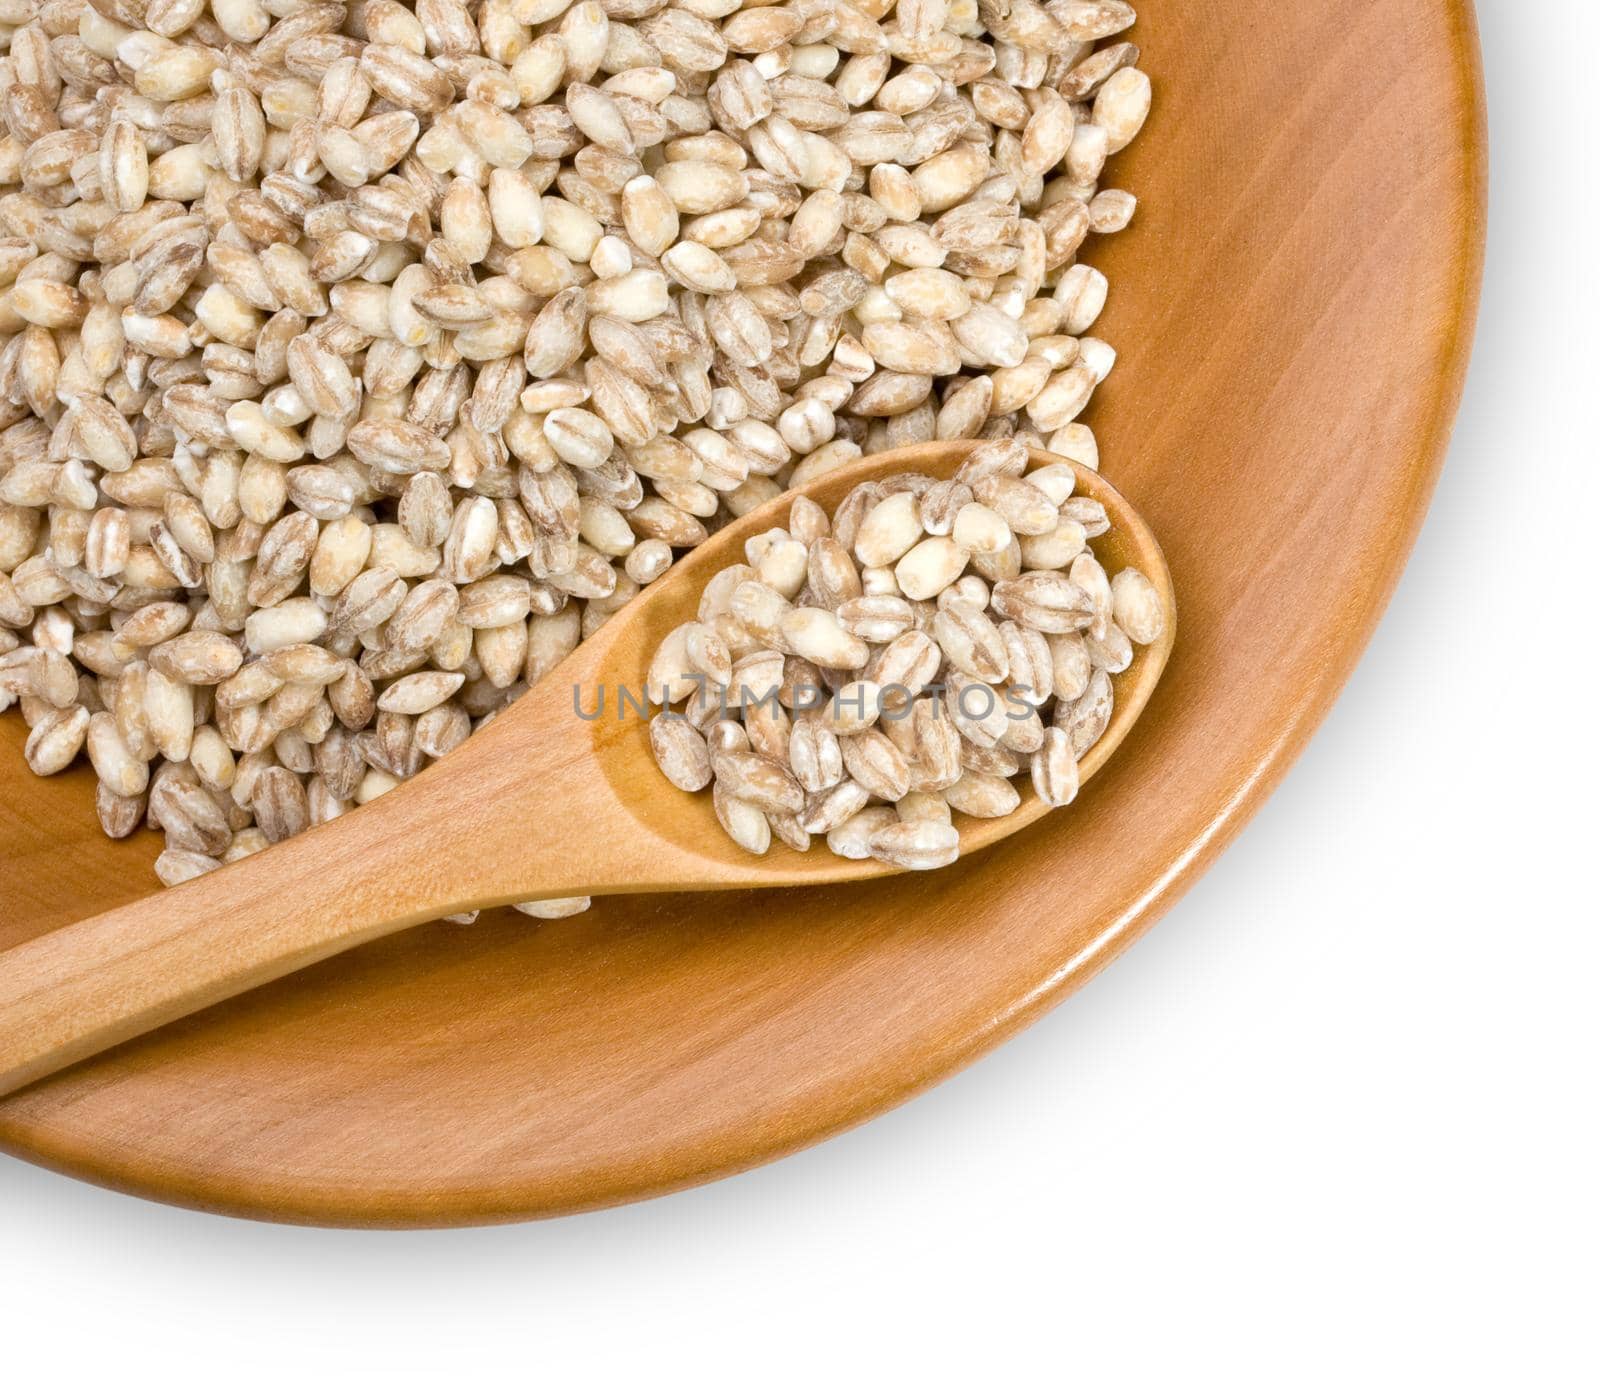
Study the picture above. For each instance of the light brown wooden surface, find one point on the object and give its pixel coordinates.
(1294, 309)
(544, 802)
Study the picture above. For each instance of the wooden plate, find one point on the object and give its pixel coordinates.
(1294, 307)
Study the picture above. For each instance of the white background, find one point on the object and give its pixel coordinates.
(1330, 1125)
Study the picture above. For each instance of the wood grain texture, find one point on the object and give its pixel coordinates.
(1294, 308)
(559, 796)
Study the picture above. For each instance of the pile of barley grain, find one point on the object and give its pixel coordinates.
(864, 676)
(356, 360)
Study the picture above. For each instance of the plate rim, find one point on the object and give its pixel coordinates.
(323, 1204)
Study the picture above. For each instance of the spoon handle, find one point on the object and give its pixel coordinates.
(520, 812)
(462, 834)
(79, 990)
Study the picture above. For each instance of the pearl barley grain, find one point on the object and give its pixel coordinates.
(930, 705)
(317, 325)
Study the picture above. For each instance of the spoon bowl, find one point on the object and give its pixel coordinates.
(540, 803)
(621, 653)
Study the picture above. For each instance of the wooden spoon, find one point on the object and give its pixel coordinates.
(540, 803)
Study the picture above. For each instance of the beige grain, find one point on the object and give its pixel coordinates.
(357, 370)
